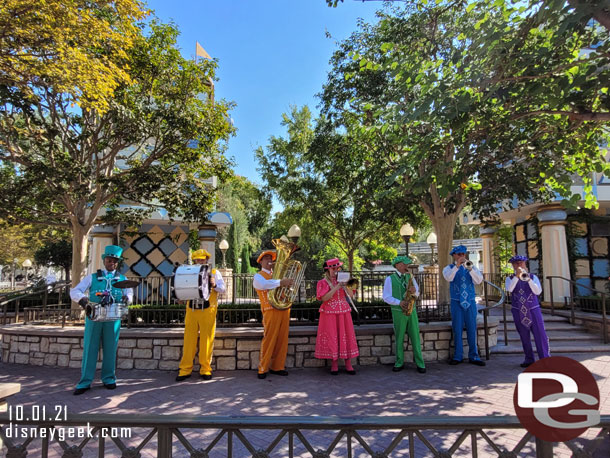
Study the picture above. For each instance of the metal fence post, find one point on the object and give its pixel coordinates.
(164, 442)
(544, 449)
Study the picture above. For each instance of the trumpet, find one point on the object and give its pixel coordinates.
(468, 264)
(524, 275)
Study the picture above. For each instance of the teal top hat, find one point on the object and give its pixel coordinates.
(114, 251)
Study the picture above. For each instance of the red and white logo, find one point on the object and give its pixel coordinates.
(557, 399)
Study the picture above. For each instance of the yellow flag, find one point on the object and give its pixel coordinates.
(201, 52)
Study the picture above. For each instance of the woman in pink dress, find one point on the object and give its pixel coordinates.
(336, 337)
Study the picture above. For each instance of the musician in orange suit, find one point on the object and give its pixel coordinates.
(274, 345)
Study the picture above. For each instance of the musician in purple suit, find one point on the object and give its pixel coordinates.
(525, 289)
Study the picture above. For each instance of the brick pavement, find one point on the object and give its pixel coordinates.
(462, 390)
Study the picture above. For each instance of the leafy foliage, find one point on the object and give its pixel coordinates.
(56, 253)
(154, 147)
(319, 171)
(78, 47)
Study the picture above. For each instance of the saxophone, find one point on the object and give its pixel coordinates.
(409, 297)
(281, 298)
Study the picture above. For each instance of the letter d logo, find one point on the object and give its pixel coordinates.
(557, 399)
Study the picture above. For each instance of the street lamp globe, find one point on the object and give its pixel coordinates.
(406, 232)
(224, 246)
(27, 263)
(294, 233)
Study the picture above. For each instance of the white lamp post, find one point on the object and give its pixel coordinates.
(406, 232)
(27, 264)
(224, 246)
(431, 240)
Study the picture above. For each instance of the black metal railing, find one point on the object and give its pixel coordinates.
(165, 436)
(239, 305)
(51, 295)
(572, 302)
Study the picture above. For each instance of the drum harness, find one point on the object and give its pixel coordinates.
(107, 298)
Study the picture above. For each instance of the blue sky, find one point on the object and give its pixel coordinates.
(272, 54)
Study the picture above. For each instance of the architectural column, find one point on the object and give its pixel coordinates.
(552, 225)
(101, 237)
(207, 240)
(490, 266)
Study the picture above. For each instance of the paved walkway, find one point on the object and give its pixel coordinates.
(463, 390)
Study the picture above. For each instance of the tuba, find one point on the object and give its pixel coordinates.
(281, 298)
(409, 297)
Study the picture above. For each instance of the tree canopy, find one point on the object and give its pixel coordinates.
(78, 47)
(154, 146)
(318, 170)
(417, 89)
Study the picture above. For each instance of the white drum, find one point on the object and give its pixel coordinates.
(192, 282)
(108, 312)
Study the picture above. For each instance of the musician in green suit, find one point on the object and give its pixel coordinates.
(394, 289)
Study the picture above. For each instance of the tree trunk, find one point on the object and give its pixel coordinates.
(80, 235)
(443, 226)
(350, 260)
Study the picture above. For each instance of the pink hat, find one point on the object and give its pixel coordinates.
(334, 262)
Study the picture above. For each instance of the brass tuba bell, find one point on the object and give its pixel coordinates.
(281, 298)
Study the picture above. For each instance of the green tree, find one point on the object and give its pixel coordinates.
(77, 47)
(160, 138)
(414, 90)
(503, 248)
(319, 171)
(250, 208)
(56, 253)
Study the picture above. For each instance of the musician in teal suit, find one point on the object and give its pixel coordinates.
(106, 332)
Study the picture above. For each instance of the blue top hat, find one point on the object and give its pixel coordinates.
(114, 251)
(458, 249)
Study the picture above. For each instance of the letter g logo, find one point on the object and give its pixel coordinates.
(557, 399)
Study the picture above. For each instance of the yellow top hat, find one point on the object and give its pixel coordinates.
(201, 254)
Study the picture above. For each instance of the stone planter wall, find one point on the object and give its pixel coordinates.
(236, 348)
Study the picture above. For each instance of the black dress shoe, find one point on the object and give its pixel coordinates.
(179, 378)
(397, 368)
(81, 390)
(206, 376)
(281, 372)
(352, 372)
(110, 386)
(334, 372)
(454, 362)
(421, 370)
(525, 364)
(262, 376)
(477, 362)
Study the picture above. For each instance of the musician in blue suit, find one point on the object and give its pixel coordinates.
(106, 332)
(463, 305)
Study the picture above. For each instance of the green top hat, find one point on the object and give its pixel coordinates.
(113, 251)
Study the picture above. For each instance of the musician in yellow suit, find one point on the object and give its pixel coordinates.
(200, 322)
(274, 345)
